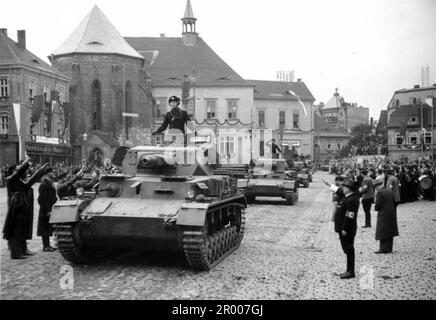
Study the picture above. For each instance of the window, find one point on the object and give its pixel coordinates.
(46, 93)
(129, 108)
(262, 148)
(398, 138)
(4, 123)
(96, 105)
(396, 103)
(262, 118)
(210, 108)
(412, 100)
(227, 145)
(31, 90)
(339, 145)
(282, 119)
(160, 108)
(296, 120)
(413, 138)
(233, 109)
(329, 145)
(4, 87)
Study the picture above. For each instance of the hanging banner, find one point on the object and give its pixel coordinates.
(37, 108)
(17, 116)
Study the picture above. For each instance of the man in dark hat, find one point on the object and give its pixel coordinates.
(392, 183)
(17, 223)
(176, 118)
(346, 225)
(367, 192)
(66, 186)
(46, 199)
(387, 226)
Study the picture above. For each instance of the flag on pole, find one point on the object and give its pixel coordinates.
(299, 101)
(17, 116)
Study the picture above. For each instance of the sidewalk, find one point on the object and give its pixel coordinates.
(408, 273)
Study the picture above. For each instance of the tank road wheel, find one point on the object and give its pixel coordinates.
(290, 198)
(203, 252)
(68, 246)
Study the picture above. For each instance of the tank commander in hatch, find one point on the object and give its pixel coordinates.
(176, 118)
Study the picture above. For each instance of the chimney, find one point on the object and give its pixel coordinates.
(416, 86)
(162, 35)
(21, 38)
(299, 80)
(4, 31)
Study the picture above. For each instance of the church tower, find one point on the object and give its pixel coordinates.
(189, 34)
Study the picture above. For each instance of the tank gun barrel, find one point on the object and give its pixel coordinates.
(152, 161)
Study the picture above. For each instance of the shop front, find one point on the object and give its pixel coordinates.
(50, 151)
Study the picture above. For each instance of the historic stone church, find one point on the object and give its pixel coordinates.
(108, 90)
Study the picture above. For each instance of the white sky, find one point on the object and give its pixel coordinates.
(366, 48)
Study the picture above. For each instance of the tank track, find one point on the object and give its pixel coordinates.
(66, 244)
(205, 252)
(291, 197)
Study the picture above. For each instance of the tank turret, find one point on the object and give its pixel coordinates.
(165, 200)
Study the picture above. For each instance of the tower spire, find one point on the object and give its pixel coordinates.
(189, 33)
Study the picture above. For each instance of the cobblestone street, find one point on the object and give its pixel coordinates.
(288, 252)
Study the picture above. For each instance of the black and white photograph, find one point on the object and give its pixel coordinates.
(236, 152)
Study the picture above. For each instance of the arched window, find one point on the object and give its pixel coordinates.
(128, 107)
(96, 105)
(119, 111)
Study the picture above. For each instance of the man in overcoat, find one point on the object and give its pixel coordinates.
(387, 226)
(17, 223)
(393, 185)
(36, 176)
(346, 225)
(46, 199)
(367, 191)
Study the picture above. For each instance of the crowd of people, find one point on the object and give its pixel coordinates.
(56, 182)
(383, 183)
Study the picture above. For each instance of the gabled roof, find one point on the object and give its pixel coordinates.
(403, 114)
(334, 102)
(169, 59)
(12, 54)
(279, 90)
(96, 34)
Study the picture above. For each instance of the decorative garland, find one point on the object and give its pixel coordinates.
(234, 122)
(227, 121)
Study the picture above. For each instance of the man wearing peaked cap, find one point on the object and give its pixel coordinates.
(367, 192)
(46, 199)
(346, 225)
(176, 118)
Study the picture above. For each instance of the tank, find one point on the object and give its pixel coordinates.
(270, 178)
(165, 200)
(304, 175)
